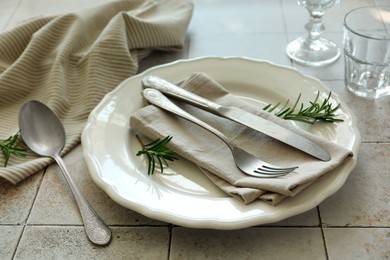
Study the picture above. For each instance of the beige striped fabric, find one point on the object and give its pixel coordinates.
(69, 62)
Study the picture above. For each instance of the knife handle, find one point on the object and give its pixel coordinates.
(175, 91)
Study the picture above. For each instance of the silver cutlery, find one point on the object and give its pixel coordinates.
(240, 116)
(248, 163)
(44, 134)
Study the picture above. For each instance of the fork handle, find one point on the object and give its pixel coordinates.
(155, 97)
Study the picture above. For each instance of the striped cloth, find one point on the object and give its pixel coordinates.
(69, 62)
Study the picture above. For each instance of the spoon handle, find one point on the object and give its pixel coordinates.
(97, 231)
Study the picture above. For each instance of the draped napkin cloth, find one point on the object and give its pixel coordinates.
(69, 62)
(214, 157)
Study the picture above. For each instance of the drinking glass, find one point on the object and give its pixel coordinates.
(367, 51)
(314, 50)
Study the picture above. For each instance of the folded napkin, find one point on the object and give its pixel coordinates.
(214, 157)
(69, 62)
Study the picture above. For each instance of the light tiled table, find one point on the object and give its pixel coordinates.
(39, 219)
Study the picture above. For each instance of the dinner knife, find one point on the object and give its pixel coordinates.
(240, 116)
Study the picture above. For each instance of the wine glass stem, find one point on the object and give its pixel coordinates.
(315, 26)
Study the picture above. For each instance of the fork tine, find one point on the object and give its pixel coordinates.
(265, 171)
(279, 173)
(275, 168)
(272, 171)
(265, 174)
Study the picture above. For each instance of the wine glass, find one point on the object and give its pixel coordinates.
(313, 49)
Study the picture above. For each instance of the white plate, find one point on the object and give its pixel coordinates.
(185, 196)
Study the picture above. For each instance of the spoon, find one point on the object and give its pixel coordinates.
(44, 134)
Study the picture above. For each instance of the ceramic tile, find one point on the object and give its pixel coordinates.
(371, 114)
(40, 242)
(16, 200)
(381, 2)
(232, 16)
(295, 16)
(9, 238)
(7, 10)
(306, 219)
(259, 46)
(252, 243)
(364, 199)
(362, 243)
(29, 9)
(55, 204)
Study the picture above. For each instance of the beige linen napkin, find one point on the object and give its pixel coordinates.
(69, 62)
(214, 157)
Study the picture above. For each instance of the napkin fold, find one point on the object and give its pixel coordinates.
(215, 158)
(70, 61)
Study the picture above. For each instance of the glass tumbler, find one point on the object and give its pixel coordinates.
(367, 51)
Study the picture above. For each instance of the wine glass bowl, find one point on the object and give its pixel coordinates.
(313, 49)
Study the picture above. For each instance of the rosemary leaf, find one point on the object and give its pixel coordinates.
(156, 152)
(313, 113)
(11, 146)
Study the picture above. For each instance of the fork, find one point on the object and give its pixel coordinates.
(245, 161)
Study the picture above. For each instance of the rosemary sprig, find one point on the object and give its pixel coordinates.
(10, 146)
(156, 152)
(311, 114)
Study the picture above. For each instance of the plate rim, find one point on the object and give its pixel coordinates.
(211, 223)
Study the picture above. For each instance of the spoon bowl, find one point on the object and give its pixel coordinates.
(41, 129)
(44, 134)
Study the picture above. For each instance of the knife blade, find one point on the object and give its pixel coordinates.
(240, 116)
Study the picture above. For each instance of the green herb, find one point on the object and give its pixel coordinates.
(156, 152)
(313, 113)
(10, 147)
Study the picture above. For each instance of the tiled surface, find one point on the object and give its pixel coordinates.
(39, 219)
(357, 243)
(248, 243)
(364, 199)
(69, 242)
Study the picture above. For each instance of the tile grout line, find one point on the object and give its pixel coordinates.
(29, 213)
(284, 19)
(285, 30)
(170, 229)
(322, 233)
